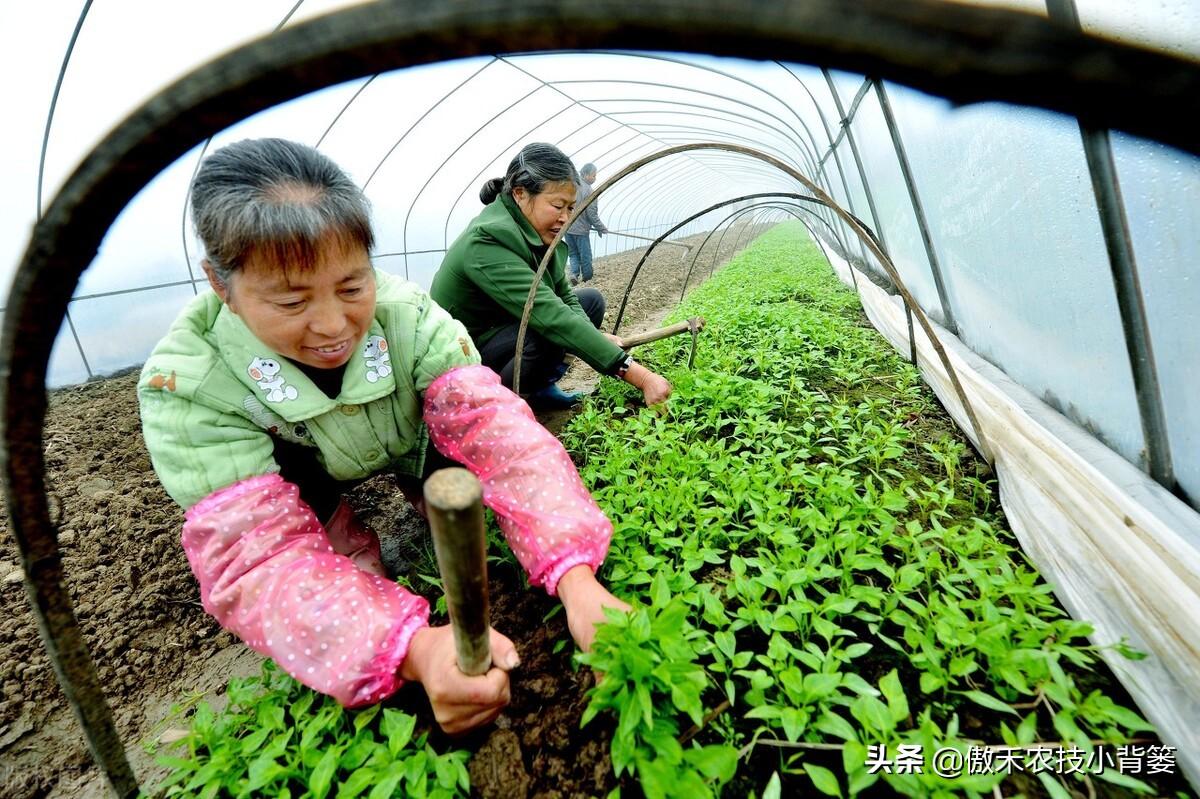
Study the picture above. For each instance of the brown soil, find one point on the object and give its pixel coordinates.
(155, 648)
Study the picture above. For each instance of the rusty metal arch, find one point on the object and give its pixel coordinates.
(670, 202)
(756, 216)
(711, 131)
(660, 239)
(708, 69)
(730, 219)
(692, 90)
(514, 143)
(864, 234)
(671, 59)
(809, 154)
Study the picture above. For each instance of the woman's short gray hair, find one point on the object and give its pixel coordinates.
(279, 200)
(536, 165)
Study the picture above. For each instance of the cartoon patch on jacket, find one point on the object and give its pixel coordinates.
(266, 372)
(375, 353)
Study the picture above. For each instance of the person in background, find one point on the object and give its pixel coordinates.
(485, 278)
(305, 370)
(579, 238)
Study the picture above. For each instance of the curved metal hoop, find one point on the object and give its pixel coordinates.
(696, 254)
(996, 54)
(865, 235)
(697, 215)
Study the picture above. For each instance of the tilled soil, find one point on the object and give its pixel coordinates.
(154, 647)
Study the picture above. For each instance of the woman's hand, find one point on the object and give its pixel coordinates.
(584, 600)
(614, 338)
(460, 703)
(655, 388)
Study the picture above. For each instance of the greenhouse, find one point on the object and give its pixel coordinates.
(835, 410)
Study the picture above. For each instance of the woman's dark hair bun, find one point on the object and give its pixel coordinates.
(490, 190)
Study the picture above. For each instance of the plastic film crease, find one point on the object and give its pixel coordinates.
(1120, 551)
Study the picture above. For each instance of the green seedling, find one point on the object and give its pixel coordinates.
(847, 577)
(278, 738)
(650, 680)
(826, 569)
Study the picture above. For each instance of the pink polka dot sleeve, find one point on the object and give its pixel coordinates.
(549, 518)
(268, 575)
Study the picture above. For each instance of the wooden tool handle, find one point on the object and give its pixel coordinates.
(649, 238)
(453, 498)
(663, 332)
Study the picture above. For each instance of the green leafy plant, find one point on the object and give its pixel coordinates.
(827, 572)
(278, 738)
(848, 578)
(650, 677)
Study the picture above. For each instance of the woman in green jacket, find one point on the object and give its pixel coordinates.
(485, 277)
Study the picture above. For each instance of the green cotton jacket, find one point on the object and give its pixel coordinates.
(484, 282)
(214, 399)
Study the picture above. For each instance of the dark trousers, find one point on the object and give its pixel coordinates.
(579, 245)
(298, 464)
(541, 360)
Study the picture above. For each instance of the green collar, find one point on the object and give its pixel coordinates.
(531, 236)
(284, 388)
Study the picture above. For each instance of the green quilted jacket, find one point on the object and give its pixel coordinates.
(484, 282)
(214, 398)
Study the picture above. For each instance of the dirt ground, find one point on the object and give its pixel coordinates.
(155, 648)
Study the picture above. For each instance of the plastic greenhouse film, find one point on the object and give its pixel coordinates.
(269, 575)
(549, 518)
(1121, 552)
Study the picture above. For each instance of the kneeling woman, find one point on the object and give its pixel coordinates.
(485, 277)
(304, 368)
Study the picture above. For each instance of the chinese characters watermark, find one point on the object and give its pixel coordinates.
(950, 762)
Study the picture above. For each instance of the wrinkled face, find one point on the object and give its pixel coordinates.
(315, 317)
(548, 211)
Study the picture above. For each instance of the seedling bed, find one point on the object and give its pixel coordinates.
(820, 566)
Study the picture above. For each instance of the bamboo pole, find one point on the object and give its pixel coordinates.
(694, 324)
(453, 498)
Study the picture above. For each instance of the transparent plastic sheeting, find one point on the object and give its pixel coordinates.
(897, 223)
(1161, 189)
(422, 140)
(1018, 237)
(1121, 552)
(1006, 190)
(1016, 230)
(1170, 25)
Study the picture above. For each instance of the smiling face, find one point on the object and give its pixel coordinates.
(549, 210)
(315, 317)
